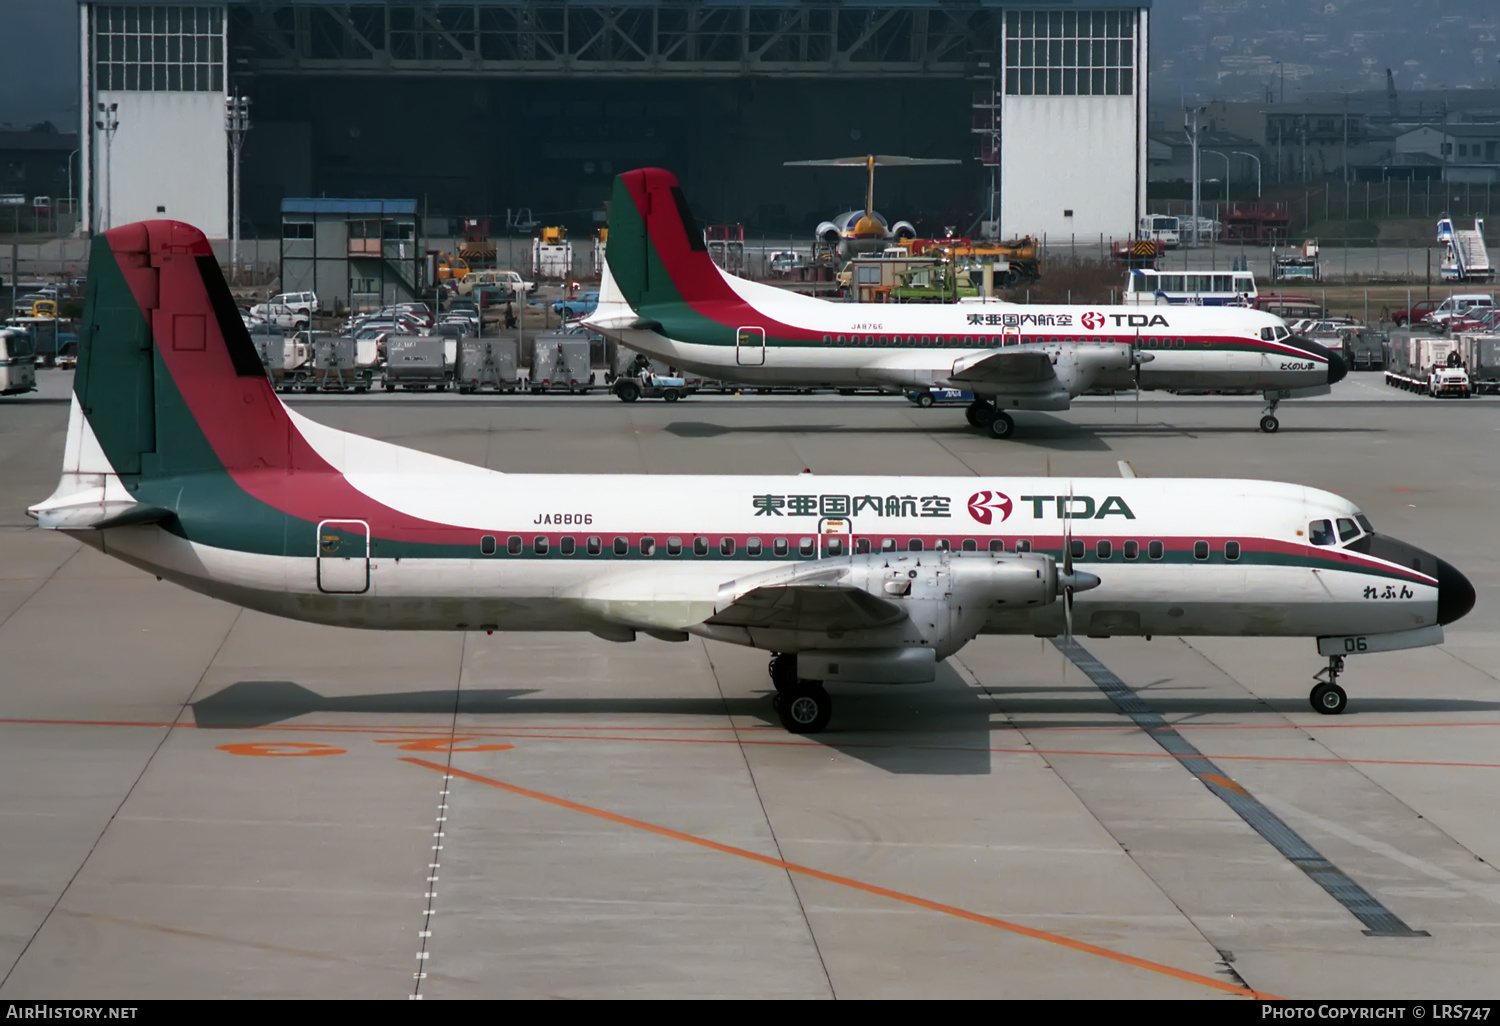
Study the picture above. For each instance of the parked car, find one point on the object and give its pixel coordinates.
(1456, 306)
(576, 306)
(292, 306)
(510, 280)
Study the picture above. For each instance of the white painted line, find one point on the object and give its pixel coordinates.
(424, 933)
(430, 894)
(437, 847)
(433, 865)
(442, 806)
(438, 834)
(431, 878)
(423, 954)
(442, 819)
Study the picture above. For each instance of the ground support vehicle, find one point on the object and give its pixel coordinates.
(552, 254)
(1420, 363)
(487, 363)
(1481, 356)
(927, 397)
(1464, 255)
(342, 364)
(1300, 264)
(560, 363)
(647, 385)
(1364, 348)
(17, 362)
(46, 339)
(288, 361)
(415, 363)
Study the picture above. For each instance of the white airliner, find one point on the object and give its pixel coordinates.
(181, 460)
(663, 296)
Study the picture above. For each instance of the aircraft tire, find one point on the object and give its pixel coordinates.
(1328, 699)
(980, 413)
(1002, 426)
(1269, 424)
(805, 709)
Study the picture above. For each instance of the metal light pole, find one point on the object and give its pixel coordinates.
(108, 123)
(236, 123)
(1192, 130)
(1225, 158)
(1242, 153)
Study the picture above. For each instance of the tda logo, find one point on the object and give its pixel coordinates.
(1093, 320)
(984, 505)
(1077, 507)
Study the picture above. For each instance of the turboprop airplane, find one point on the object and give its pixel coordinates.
(664, 297)
(182, 460)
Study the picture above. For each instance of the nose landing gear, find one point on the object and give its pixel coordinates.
(1326, 696)
(1268, 423)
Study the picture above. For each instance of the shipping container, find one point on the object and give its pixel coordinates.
(487, 363)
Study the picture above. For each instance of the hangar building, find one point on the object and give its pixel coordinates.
(486, 107)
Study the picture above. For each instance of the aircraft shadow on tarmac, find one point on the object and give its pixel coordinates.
(945, 728)
(1037, 430)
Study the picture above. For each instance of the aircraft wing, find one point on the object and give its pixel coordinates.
(807, 607)
(1016, 366)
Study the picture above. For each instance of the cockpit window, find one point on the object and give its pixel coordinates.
(1320, 532)
(1347, 529)
(1364, 522)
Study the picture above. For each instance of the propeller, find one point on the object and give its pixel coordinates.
(1069, 580)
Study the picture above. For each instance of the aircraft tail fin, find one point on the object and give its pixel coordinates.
(168, 382)
(656, 249)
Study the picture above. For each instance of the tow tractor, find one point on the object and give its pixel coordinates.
(650, 385)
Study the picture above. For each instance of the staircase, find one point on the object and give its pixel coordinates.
(1465, 257)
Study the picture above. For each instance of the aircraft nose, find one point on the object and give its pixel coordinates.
(1337, 368)
(1455, 593)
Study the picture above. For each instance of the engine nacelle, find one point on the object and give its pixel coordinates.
(935, 600)
(829, 233)
(903, 230)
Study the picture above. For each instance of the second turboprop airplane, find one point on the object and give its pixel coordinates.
(663, 296)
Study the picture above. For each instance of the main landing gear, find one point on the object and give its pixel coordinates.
(1268, 423)
(1326, 696)
(983, 415)
(802, 705)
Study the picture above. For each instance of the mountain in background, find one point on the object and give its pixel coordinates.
(1228, 49)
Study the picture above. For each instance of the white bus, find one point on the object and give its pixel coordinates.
(1162, 228)
(1191, 288)
(17, 362)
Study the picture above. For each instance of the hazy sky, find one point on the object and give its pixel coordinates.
(39, 70)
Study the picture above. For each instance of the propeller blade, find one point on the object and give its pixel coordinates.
(1068, 615)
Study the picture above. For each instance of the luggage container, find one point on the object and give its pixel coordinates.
(1481, 355)
(1420, 363)
(560, 363)
(288, 361)
(488, 363)
(418, 362)
(341, 363)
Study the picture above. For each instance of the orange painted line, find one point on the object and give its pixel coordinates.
(844, 881)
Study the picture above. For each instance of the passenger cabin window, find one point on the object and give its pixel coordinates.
(726, 546)
(648, 546)
(1200, 550)
(969, 545)
(779, 547)
(487, 545)
(1131, 549)
(887, 545)
(674, 546)
(1077, 547)
(805, 546)
(997, 544)
(513, 545)
(700, 546)
(1156, 550)
(595, 546)
(915, 545)
(622, 547)
(1320, 532)
(539, 545)
(1231, 550)
(565, 545)
(1023, 545)
(835, 546)
(862, 546)
(941, 545)
(752, 546)
(1347, 529)
(1103, 549)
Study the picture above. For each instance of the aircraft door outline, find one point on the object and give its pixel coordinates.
(840, 532)
(750, 346)
(343, 557)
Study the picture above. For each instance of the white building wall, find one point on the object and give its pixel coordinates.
(169, 159)
(1069, 153)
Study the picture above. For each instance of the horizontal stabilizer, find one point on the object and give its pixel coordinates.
(100, 516)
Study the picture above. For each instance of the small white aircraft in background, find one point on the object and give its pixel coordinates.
(181, 460)
(663, 296)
